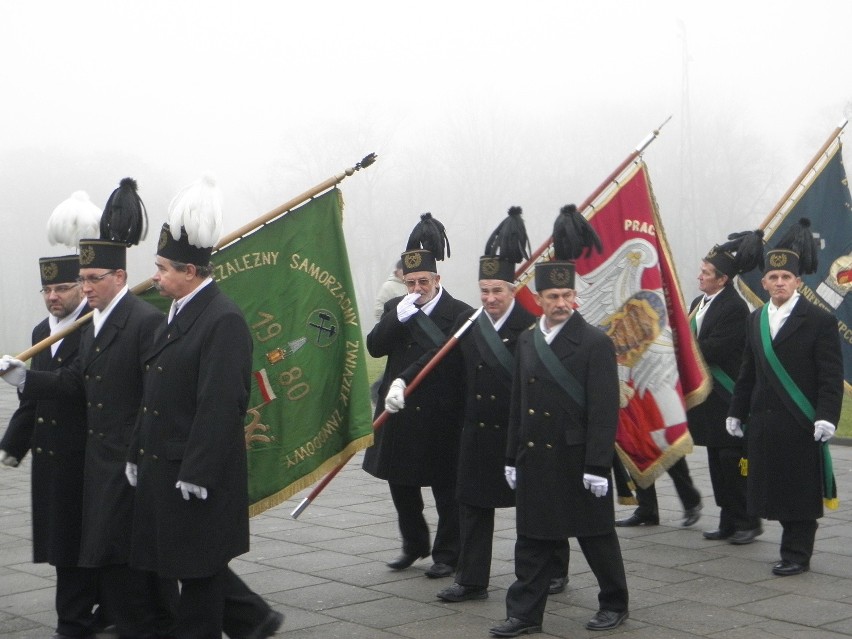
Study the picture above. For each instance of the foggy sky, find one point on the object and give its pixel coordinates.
(472, 107)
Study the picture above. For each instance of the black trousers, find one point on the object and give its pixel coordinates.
(477, 535)
(797, 540)
(408, 501)
(729, 488)
(527, 597)
(140, 602)
(76, 598)
(689, 495)
(221, 602)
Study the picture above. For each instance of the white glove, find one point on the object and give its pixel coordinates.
(187, 489)
(734, 427)
(406, 308)
(823, 430)
(7, 460)
(14, 371)
(130, 471)
(597, 484)
(511, 476)
(395, 399)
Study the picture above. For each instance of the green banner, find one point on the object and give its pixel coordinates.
(310, 401)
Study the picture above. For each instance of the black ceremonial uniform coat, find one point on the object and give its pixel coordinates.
(109, 371)
(553, 441)
(191, 428)
(784, 461)
(55, 432)
(721, 341)
(482, 451)
(419, 445)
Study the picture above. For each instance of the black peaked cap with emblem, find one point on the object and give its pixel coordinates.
(742, 253)
(506, 246)
(426, 246)
(573, 237)
(795, 252)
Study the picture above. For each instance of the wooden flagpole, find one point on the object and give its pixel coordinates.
(798, 182)
(225, 241)
(588, 201)
(383, 417)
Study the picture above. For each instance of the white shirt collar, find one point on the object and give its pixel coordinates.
(99, 317)
(551, 333)
(499, 323)
(177, 305)
(429, 306)
(57, 325)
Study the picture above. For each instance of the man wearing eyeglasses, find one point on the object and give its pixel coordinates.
(418, 446)
(108, 377)
(55, 432)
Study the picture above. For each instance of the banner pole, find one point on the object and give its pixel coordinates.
(585, 204)
(228, 239)
(383, 417)
(798, 182)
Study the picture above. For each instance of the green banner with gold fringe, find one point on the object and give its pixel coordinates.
(310, 400)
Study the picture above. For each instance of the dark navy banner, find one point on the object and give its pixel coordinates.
(827, 204)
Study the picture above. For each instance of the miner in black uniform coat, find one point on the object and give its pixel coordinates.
(562, 422)
(718, 320)
(419, 445)
(55, 432)
(187, 458)
(108, 374)
(786, 436)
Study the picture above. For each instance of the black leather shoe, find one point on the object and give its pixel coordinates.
(438, 570)
(513, 627)
(638, 520)
(557, 585)
(716, 535)
(405, 560)
(606, 620)
(786, 568)
(457, 592)
(691, 516)
(743, 537)
(268, 626)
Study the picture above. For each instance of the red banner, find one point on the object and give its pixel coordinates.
(631, 292)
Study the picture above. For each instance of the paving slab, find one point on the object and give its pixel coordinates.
(326, 571)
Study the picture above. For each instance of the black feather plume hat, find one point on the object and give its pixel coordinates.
(742, 253)
(124, 223)
(426, 246)
(573, 237)
(506, 246)
(796, 251)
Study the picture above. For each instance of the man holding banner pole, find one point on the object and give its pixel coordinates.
(418, 446)
(789, 393)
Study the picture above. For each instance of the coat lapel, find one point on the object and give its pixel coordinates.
(797, 316)
(111, 328)
(183, 321)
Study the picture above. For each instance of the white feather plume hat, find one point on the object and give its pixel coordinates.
(194, 223)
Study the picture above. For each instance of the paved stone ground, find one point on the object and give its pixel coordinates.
(326, 571)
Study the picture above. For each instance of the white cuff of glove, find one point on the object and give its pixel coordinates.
(511, 476)
(734, 427)
(395, 399)
(823, 430)
(599, 486)
(187, 489)
(406, 308)
(14, 371)
(7, 460)
(130, 471)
